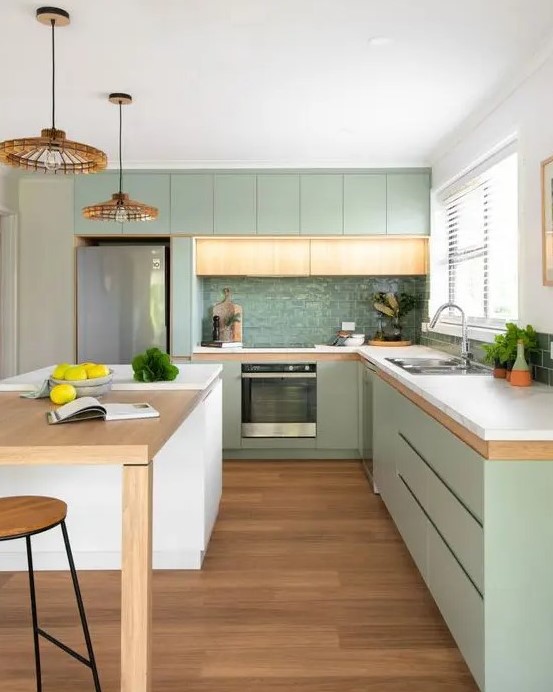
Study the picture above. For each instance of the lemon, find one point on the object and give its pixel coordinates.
(87, 365)
(75, 372)
(59, 371)
(97, 371)
(63, 393)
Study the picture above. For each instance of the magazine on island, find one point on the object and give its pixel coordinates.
(87, 407)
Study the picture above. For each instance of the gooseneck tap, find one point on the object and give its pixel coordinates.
(466, 355)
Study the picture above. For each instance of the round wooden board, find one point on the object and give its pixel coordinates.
(390, 343)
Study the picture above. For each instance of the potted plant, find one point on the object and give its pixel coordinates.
(503, 351)
(493, 353)
(395, 306)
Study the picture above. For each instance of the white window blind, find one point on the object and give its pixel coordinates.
(481, 249)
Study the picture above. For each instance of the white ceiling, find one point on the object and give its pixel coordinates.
(264, 82)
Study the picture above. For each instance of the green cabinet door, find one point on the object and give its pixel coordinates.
(337, 405)
(182, 278)
(235, 204)
(232, 407)
(151, 189)
(408, 203)
(278, 204)
(364, 204)
(321, 204)
(192, 203)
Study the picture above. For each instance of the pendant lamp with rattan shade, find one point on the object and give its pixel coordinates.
(120, 208)
(52, 152)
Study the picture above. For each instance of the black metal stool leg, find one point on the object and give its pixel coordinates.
(34, 614)
(81, 608)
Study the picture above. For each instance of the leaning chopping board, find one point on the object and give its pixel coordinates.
(230, 318)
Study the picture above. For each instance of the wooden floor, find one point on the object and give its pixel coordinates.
(306, 587)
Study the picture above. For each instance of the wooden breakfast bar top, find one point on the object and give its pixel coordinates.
(26, 439)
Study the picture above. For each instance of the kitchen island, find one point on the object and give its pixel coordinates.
(158, 479)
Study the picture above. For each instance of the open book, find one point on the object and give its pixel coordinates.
(88, 407)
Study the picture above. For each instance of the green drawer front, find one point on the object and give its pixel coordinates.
(460, 467)
(462, 533)
(412, 524)
(459, 602)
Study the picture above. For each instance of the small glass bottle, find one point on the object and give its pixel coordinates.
(215, 334)
(520, 374)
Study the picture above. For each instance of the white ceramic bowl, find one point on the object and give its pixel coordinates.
(355, 340)
(95, 386)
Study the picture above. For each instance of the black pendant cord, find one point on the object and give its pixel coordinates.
(120, 148)
(53, 22)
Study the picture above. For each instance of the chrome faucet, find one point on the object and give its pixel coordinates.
(466, 355)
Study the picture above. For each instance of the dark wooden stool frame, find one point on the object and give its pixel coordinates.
(38, 631)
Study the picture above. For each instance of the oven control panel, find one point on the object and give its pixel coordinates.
(279, 367)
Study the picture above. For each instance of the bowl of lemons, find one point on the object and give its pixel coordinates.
(68, 382)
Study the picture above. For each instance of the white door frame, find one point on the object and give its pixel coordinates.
(8, 293)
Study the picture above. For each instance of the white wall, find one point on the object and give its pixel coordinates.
(46, 272)
(528, 110)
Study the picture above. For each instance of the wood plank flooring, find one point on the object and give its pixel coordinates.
(307, 587)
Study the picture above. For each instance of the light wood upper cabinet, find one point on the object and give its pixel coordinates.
(368, 256)
(252, 257)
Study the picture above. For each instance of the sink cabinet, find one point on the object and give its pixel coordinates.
(480, 533)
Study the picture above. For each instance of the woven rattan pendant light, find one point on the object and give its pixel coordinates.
(52, 152)
(120, 208)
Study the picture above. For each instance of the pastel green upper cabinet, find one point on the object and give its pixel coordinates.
(192, 204)
(278, 204)
(364, 204)
(408, 203)
(148, 188)
(235, 204)
(321, 204)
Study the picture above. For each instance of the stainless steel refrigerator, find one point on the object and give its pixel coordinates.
(122, 301)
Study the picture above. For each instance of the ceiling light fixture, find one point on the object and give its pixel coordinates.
(52, 152)
(120, 208)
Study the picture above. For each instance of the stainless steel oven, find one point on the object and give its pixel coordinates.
(279, 400)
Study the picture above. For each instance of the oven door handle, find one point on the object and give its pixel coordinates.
(277, 375)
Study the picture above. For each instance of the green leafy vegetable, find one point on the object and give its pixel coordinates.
(153, 365)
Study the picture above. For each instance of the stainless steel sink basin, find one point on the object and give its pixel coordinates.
(438, 366)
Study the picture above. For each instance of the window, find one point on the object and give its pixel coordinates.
(477, 231)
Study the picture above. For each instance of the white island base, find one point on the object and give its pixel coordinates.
(187, 486)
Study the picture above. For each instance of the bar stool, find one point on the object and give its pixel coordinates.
(26, 516)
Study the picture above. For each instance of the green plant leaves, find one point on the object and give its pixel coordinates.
(153, 365)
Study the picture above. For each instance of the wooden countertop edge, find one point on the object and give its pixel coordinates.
(285, 356)
(494, 450)
(97, 455)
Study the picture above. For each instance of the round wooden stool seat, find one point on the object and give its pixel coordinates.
(27, 514)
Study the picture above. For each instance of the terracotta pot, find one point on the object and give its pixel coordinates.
(521, 378)
(500, 372)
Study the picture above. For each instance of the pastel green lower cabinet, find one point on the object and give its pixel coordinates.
(482, 540)
(337, 406)
(232, 396)
(148, 188)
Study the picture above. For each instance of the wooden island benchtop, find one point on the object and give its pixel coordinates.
(26, 439)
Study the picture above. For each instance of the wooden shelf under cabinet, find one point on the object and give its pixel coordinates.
(252, 257)
(376, 256)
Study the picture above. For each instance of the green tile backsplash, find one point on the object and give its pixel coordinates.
(282, 311)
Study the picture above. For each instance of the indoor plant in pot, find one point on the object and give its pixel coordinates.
(394, 306)
(503, 351)
(494, 354)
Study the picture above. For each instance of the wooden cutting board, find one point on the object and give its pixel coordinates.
(225, 310)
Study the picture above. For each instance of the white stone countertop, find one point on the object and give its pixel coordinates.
(490, 408)
(192, 376)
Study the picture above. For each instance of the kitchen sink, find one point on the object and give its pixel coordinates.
(439, 366)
